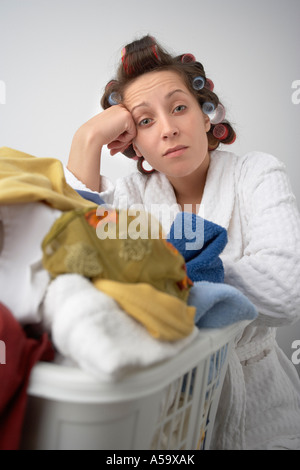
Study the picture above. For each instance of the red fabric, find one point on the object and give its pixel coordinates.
(22, 352)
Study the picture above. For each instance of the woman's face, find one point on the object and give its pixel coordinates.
(171, 127)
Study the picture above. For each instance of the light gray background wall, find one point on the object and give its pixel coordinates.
(57, 55)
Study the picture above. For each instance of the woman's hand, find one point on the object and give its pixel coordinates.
(124, 129)
(113, 127)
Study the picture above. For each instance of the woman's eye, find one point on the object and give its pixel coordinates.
(179, 108)
(144, 122)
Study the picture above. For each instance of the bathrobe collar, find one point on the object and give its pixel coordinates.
(218, 197)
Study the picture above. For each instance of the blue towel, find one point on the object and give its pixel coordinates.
(200, 242)
(94, 197)
(218, 305)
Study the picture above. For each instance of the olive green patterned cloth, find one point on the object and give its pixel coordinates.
(151, 267)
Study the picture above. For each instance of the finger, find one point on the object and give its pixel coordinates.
(115, 151)
(119, 143)
(126, 136)
(119, 149)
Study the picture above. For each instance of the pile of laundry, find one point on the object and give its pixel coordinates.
(109, 304)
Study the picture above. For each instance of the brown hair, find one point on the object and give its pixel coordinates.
(146, 55)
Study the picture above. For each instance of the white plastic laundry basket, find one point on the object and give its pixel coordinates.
(171, 405)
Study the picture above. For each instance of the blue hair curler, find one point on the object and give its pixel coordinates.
(114, 98)
(208, 107)
(198, 83)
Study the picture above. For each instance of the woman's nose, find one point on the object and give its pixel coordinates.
(169, 129)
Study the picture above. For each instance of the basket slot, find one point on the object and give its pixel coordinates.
(172, 430)
(189, 408)
(199, 431)
(174, 418)
(186, 397)
(216, 370)
(159, 436)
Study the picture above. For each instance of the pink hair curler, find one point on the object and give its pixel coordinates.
(187, 58)
(220, 131)
(219, 114)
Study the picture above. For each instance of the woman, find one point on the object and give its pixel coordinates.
(162, 110)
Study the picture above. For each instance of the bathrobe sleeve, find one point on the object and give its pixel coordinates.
(126, 191)
(269, 270)
(108, 188)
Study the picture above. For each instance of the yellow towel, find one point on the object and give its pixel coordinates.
(165, 317)
(25, 178)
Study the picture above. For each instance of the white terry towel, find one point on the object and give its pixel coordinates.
(90, 328)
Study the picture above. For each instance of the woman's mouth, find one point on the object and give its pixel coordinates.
(175, 151)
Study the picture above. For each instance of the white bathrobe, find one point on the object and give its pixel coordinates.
(251, 197)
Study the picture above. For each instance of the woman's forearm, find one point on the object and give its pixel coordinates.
(85, 158)
(113, 127)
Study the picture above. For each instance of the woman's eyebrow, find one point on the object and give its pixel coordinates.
(171, 93)
(168, 95)
(144, 103)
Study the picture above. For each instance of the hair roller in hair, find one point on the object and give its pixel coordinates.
(208, 107)
(232, 140)
(154, 49)
(209, 84)
(188, 58)
(109, 84)
(114, 98)
(198, 83)
(124, 59)
(220, 131)
(219, 114)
